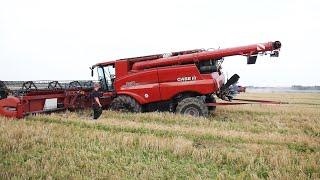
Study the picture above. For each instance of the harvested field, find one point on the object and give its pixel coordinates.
(245, 142)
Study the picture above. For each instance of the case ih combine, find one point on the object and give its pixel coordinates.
(185, 82)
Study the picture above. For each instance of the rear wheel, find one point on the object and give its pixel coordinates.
(211, 99)
(192, 106)
(125, 104)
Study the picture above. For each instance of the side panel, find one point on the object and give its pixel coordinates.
(176, 79)
(38, 102)
(122, 68)
(106, 99)
(218, 78)
(9, 107)
(142, 85)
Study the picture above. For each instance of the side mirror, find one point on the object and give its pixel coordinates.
(91, 71)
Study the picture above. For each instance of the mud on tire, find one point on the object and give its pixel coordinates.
(192, 106)
(125, 104)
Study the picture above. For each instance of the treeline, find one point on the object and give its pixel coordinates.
(299, 87)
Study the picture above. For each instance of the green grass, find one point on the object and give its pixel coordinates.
(239, 142)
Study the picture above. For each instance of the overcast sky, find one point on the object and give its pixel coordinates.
(60, 39)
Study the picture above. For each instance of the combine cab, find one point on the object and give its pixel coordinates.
(185, 82)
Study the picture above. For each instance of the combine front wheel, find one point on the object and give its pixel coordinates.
(125, 104)
(211, 99)
(192, 106)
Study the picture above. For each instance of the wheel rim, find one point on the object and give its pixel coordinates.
(192, 111)
(124, 108)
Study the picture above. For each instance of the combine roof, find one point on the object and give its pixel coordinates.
(149, 57)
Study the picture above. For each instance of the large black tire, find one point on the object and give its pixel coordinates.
(125, 104)
(211, 99)
(192, 106)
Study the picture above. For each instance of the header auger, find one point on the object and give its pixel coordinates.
(185, 82)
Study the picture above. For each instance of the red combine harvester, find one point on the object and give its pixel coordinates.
(185, 82)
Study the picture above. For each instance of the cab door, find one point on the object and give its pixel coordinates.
(106, 77)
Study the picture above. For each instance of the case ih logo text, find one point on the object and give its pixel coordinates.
(182, 79)
(130, 84)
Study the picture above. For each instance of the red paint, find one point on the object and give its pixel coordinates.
(153, 78)
(147, 79)
(33, 102)
(8, 107)
(203, 56)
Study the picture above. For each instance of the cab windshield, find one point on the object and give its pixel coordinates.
(106, 76)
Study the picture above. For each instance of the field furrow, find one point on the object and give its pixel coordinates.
(240, 142)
